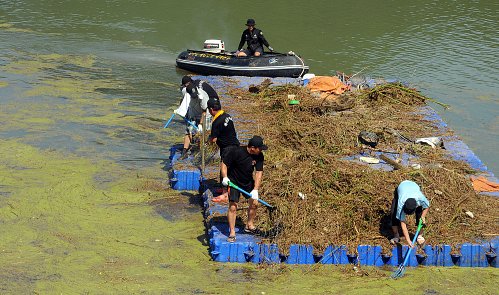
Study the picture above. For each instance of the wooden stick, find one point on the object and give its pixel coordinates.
(395, 165)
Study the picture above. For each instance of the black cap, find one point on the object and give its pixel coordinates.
(410, 206)
(257, 141)
(186, 79)
(250, 22)
(214, 103)
(192, 90)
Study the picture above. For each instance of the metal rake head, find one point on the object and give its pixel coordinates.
(399, 272)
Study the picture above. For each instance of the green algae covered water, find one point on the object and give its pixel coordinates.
(85, 87)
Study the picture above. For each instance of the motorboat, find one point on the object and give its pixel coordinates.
(213, 60)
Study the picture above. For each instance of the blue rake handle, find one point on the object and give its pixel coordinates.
(189, 122)
(400, 271)
(248, 195)
(169, 120)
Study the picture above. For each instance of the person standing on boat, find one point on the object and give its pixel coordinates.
(238, 166)
(255, 39)
(408, 199)
(223, 133)
(193, 107)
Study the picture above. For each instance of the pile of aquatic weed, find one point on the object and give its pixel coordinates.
(324, 199)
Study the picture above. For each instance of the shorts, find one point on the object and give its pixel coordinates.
(395, 221)
(250, 52)
(234, 194)
(223, 153)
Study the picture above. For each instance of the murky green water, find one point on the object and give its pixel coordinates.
(85, 87)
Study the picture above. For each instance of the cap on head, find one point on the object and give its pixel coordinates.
(410, 206)
(186, 79)
(214, 103)
(250, 22)
(257, 141)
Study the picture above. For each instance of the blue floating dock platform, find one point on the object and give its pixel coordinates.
(250, 249)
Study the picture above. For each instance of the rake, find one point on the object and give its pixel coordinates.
(247, 195)
(401, 269)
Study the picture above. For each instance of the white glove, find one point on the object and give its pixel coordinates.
(225, 181)
(421, 240)
(200, 128)
(270, 48)
(254, 194)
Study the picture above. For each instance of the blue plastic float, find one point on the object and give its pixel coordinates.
(249, 248)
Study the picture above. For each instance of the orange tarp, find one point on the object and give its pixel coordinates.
(482, 184)
(332, 85)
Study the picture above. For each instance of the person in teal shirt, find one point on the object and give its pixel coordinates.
(408, 199)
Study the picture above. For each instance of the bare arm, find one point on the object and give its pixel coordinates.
(423, 214)
(223, 170)
(258, 179)
(403, 225)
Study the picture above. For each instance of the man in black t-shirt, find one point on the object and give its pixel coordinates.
(223, 133)
(238, 166)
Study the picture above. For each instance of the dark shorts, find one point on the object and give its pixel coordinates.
(394, 219)
(234, 194)
(250, 52)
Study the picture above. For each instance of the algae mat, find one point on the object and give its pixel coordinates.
(64, 231)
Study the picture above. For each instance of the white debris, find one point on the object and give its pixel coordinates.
(470, 214)
(416, 166)
(369, 160)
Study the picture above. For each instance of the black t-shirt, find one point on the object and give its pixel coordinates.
(241, 164)
(223, 130)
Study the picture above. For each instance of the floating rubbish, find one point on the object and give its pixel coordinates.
(369, 160)
(292, 100)
(416, 166)
(368, 138)
(431, 141)
(302, 196)
(437, 192)
(470, 214)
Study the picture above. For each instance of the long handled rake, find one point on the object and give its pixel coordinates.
(401, 270)
(185, 119)
(248, 195)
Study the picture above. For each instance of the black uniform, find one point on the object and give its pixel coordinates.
(240, 165)
(255, 40)
(224, 131)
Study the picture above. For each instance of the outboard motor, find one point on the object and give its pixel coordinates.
(214, 46)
